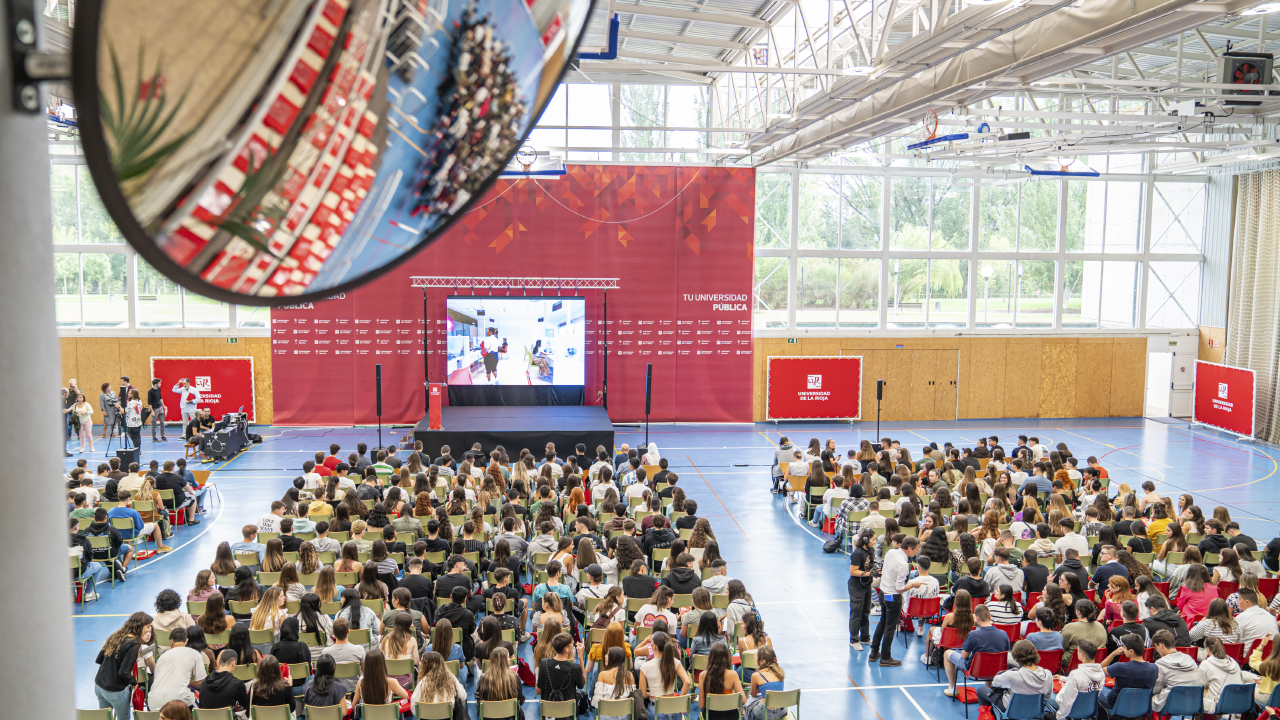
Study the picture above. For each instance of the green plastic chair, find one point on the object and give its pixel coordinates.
(616, 708)
(778, 699)
(434, 711)
(718, 702)
(332, 712)
(558, 709)
(104, 714)
(267, 712)
(497, 708)
(380, 712)
(673, 705)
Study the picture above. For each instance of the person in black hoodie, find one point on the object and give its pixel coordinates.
(456, 612)
(221, 689)
(459, 577)
(289, 649)
(691, 517)
(1214, 540)
(659, 536)
(638, 584)
(1164, 618)
(1130, 626)
(100, 527)
(1034, 575)
(1072, 565)
(683, 579)
(114, 682)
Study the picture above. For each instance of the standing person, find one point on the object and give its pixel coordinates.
(109, 404)
(190, 397)
(119, 654)
(133, 418)
(82, 418)
(860, 578)
(893, 580)
(155, 400)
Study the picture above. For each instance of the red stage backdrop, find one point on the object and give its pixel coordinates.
(1224, 397)
(678, 238)
(814, 388)
(225, 383)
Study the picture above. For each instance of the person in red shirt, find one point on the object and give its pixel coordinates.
(332, 460)
(1102, 472)
(322, 468)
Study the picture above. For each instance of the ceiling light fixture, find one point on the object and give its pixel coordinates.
(1263, 9)
(860, 70)
(780, 116)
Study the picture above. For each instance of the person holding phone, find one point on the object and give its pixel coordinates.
(155, 400)
(190, 398)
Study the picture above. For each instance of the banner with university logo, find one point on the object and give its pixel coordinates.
(679, 239)
(224, 383)
(814, 388)
(1224, 397)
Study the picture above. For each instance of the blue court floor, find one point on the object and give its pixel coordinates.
(799, 590)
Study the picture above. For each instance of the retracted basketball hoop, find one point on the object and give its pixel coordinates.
(930, 126)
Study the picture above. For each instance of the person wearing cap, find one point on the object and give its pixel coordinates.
(595, 588)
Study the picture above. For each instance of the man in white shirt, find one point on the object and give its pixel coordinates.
(1071, 539)
(1072, 470)
(1253, 621)
(190, 397)
(602, 461)
(924, 586)
(596, 588)
(178, 672)
(798, 466)
(310, 478)
(1038, 451)
(270, 523)
(893, 581)
(345, 481)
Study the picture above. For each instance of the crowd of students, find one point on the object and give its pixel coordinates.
(1073, 580)
(375, 580)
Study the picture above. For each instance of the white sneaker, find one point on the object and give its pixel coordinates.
(90, 596)
(875, 610)
(920, 630)
(856, 646)
(924, 658)
(949, 692)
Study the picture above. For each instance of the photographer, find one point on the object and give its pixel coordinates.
(155, 400)
(133, 418)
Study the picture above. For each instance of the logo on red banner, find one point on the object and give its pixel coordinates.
(224, 383)
(814, 388)
(1224, 397)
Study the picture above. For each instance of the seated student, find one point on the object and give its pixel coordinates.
(684, 578)
(1048, 637)
(418, 584)
(1135, 673)
(456, 612)
(831, 500)
(125, 510)
(1003, 573)
(1130, 625)
(221, 689)
(1087, 627)
(1220, 670)
(718, 583)
(1161, 617)
(638, 583)
(977, 588)
(250, 543)
(1028, 679)
(923, 586)
(1004, 606)
(343, 651)
(178, 672)
(1088, 677)
(1034, 574)
(983, 638)
(1173, 668)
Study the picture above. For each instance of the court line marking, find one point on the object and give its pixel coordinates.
(923, 714)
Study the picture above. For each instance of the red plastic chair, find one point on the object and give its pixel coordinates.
(952, 639)
(1235, 651)
(1266, 647)
(923, 608)
(983, 666)
(1032, 599)
(1051, 660)
(1267, 586)
(1226, 588)
(1014, 631)
(1032, 627)
(1164, 587)
(1092, 595)
(1102, 655)
(1189, 652)
(1149, 654)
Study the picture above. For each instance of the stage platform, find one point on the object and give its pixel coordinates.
(518, 427)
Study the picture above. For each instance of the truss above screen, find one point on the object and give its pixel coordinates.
(513, 283)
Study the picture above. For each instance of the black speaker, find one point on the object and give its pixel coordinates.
(378, 378)
(879, 389)
(648, 385)
(129, 455)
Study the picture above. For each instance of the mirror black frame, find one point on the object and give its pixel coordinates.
(84, 85)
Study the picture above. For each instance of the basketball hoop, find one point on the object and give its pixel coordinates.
(930, 125)
(1064, 163)
(526, 156)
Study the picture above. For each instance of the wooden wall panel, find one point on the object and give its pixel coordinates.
(985, 388)
(1219, 336)
(94, 360)
(69, 360)
(98, 361)
(1022, 377)
(1093, 377)
(924, 370)
(1058, 373)
(1128, 376)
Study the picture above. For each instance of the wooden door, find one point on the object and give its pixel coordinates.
(923, 384)
(945, 384)
(892, 366)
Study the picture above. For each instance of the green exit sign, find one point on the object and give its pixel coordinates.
(232, 341)
(792, 341)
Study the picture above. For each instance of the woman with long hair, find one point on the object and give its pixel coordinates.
(1217, 623)
(358, 615)
(1228, 569)
(270, 612)
(214, 619)
(614, 682)
(1145, 589)
(274, 558)
(491, 638)
(1004, 606)
(659, 675)
(272, 688)
(701, 534)
(719, 679)
(349, 561)
(375, 687)
(289, 584)
(1196, 594)
(238, 642)
(614, 637)
(1192, 520)
(1117, 594)
(401, 643)
(326, 585)
(224, 562)
(442, 641)
(960, 618)
(768, 676)
(627, 552)
(753, 634)
(435, 683)
(204, 585)
(498, 683)
(113, 685)
(710, 554)
(322, 689)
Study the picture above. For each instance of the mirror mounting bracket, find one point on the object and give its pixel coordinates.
(30, 67)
